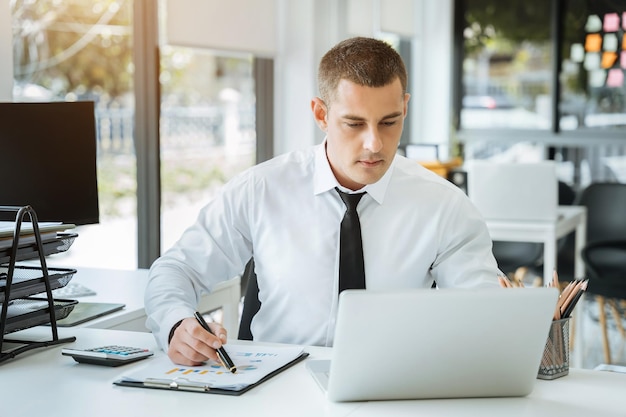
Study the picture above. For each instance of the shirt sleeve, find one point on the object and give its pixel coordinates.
(213, 249)
(465, 258)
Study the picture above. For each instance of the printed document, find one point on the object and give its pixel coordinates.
(253, 364)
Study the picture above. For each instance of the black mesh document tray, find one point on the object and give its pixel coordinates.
(61, 243)
(30, 280)
(29, 312)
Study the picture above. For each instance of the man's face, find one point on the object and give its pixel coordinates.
(363, 127)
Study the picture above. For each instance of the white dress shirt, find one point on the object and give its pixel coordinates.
(416, 227)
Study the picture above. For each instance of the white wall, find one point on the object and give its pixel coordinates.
(234, 25)
(431, 78)
(294, 76)
(6, 53)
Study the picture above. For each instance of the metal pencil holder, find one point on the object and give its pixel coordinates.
(555, 360)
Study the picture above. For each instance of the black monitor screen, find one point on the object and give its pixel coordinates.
(48, 160)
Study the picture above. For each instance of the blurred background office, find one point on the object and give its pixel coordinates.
(190, 92)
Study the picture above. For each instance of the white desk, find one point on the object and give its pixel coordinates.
(128, 287)
(43, 382)
(571, 218)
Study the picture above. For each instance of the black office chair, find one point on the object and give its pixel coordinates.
(251, 303)
(516, 258)
(598, 198)
(604, 254)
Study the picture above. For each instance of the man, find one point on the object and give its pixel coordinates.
(416, 227)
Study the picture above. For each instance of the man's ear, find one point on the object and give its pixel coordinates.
(407, 96)
(319, 113)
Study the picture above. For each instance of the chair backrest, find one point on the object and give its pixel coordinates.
(599, 199)
(605, 251)
(606, 211)
(567, 195)
(251, 303)
(606, 268)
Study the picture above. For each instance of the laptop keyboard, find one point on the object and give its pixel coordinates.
(72, 290)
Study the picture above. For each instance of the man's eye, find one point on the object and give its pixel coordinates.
(354, 125)
(389, 123)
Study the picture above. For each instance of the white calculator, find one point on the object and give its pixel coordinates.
(112, 355)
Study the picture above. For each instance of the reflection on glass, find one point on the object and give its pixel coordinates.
(76, 50)
(507, 65)
(593, 93)
(507, 68)
(207, 130)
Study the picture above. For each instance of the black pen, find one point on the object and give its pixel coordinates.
(224, 358)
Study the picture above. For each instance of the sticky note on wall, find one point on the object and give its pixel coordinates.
(611, 22)
(597, 78)
(594, 24)
(593, 42)
(608, 59)
(592, 61)
(615, 78)
(610, 42)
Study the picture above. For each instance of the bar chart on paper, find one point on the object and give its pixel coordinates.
(212, 368)
(253, 364)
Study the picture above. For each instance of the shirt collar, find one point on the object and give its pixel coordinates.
(324, 179)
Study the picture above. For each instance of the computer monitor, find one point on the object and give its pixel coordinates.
(48, 160)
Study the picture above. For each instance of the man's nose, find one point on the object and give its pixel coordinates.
(373, 141)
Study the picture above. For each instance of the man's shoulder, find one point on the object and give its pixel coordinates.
(298, 157)
(284, 167)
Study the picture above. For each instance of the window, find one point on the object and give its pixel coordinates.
(76, 50)
(512, 79)
(207, 130)
(506, 77)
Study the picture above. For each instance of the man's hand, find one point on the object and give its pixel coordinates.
(192, 345)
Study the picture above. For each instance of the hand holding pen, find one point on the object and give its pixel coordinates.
(221, 352)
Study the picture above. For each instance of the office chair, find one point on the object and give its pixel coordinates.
(251, 303)
(516, 258)
(604, 254)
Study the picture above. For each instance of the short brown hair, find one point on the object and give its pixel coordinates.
(364, 61)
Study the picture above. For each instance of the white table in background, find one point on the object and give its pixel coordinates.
(570, 219)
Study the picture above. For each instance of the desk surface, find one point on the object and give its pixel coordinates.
(114, 286)
(43, 382)
(128, 287)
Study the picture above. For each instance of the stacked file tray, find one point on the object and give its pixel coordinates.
(19, 309)
(25, 311)
(61, 242)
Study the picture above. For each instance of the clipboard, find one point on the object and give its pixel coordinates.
(191, 386)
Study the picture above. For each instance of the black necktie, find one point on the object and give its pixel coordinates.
(351, 268)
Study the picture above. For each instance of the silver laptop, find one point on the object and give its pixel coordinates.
(447, 343)
(513, 191)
